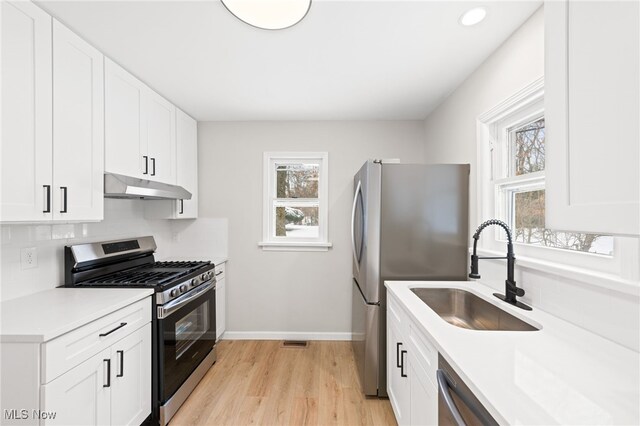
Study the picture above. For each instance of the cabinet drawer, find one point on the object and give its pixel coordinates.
(423, 352)
(396, 316)
(65, 352)
(220, 271)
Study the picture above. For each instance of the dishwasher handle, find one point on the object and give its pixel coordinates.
(443, 389)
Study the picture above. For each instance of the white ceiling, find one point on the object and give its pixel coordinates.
(347, 60)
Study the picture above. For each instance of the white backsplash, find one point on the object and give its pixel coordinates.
(612, 314)
(122, 219)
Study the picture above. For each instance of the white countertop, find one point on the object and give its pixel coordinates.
(561, 374)
(45, 315)
(219, 260)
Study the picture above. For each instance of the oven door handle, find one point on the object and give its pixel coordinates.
(169, 308)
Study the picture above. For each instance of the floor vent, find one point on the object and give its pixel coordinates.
(294, 344)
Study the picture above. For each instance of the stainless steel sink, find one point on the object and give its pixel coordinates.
(466, 310)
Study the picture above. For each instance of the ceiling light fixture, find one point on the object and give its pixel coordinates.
(269, 14)
(473, 16)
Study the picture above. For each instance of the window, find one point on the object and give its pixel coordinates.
(511, 186)
(520, 188)
(295, 201)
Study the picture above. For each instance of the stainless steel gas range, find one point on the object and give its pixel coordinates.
(184, 328)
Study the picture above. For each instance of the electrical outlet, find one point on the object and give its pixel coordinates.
(28, 258)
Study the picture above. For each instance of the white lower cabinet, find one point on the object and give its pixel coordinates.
(81, 396)
(97, 374)
(411, 370)
(221, 300)
(131, 378)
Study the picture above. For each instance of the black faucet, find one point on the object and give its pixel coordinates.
(511, 290)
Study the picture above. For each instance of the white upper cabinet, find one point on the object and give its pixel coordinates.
(52, 120)
(123, 99)
(187, 164)
(158, 139)
(592, 102)
(26, 151)
(140, 135)
(78, 127)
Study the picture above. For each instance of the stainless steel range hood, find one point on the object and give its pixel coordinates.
(119, 186)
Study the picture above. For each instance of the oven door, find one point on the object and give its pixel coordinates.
(186, 334)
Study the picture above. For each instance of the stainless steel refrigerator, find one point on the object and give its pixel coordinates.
(408, 222)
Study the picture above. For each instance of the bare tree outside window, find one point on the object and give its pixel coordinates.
(297, 187)
(528, 206)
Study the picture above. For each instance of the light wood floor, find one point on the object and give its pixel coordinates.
(263, 383)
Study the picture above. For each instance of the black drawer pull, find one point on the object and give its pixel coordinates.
(153, 166)
(181, 207)
(121, 355)
(219, 273)
(146, 165)
(108, 384)
(402, 363)
(47, 191)
(122, 324)
(64, 199)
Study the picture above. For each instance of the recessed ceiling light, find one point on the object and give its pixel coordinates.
(269, 14)
(473, 16)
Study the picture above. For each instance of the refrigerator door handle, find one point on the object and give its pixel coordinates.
(353, 224)
(364, 299)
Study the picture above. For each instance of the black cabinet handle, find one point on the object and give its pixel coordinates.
(181, 207)
(153, 166)
(146, 165)
(122, 324)
(121, 355)
(398, 364)
(402, 363)
(218, 273)
(108, 384)
(64, 199)
(47, 194)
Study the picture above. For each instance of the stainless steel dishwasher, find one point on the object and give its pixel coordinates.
(457, 405)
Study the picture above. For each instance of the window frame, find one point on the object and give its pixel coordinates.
(492, 130)
(283, 243)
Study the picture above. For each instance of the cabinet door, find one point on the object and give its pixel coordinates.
(131, 375)
(81, 396)
(423, 396)
(26, 157)
(592, 102)
(397, 374)
(124, 152)
(78, 127)
(221, 300)
(159, 136)
(187, 164)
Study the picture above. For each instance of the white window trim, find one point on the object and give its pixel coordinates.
(611, 272)
(270, 243)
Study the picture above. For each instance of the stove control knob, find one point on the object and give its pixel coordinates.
(194, 282)
(183, 288)
(174, 292)
(203, 277)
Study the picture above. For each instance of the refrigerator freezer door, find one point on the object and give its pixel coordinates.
(365, 340)
(425, 222)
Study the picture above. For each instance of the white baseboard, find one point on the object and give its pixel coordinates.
(283, 335)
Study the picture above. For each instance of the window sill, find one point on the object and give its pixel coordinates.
(294, 246)
(594, 278)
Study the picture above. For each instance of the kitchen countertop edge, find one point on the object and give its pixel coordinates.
(30, 305)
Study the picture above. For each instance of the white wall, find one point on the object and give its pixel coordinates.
(122, 219)
(279, 294)
(450, 136)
